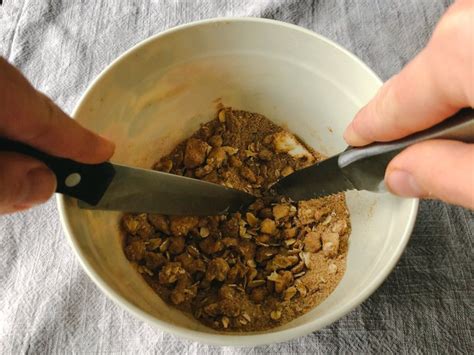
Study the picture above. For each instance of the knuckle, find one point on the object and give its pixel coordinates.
(42, 128)
(384, 113)
(48, 116)
(379, 107)
(457, 22)
(390, 105)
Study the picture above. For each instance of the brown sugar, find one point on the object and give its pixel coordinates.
(243, 271)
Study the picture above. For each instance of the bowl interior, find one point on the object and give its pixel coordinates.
(158, 93)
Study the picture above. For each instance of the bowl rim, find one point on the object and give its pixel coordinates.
(247, 339)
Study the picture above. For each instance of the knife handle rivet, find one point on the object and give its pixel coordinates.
(72, 180)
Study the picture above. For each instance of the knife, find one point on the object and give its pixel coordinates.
(364, 168)
(114, 187)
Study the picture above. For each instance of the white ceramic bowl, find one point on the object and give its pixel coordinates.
(158, 93)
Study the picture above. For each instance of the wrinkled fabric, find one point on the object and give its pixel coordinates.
(49, 305)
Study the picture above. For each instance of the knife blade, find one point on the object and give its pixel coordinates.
(364, 168)
(114, 187)
(141, 190)
(321, 179)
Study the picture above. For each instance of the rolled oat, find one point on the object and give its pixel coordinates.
(243, 271)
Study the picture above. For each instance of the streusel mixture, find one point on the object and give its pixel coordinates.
(243, 271)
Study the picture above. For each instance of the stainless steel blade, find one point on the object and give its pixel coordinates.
(321, 179)
(363, 168)
(140, 190)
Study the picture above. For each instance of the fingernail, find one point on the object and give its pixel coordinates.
(108, 142)
(110, 146)
(39, 186)
(402, 183)
(352, 137)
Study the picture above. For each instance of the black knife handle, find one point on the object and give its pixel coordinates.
(86, 182)
(459, 127)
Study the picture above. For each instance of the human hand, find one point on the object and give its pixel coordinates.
(434, 85)
(28, 116)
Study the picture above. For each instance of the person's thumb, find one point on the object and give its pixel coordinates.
(437, 168)
(24, 182)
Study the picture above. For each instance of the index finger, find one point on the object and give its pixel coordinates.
(31, 117)
(433, 86)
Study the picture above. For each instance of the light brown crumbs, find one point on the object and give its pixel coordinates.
(244, 271)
